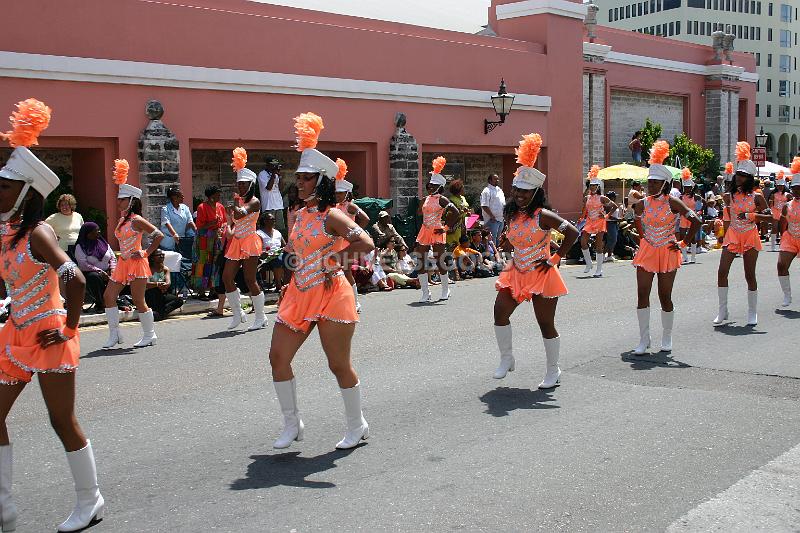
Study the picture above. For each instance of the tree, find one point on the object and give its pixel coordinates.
(700, 160)
(651, 132)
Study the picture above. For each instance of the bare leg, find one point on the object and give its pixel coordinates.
(599, 242)
(665, 283)
(784, 262)
(504, 306)
(112, 293)
(250, 267)
(58, 391)
(725, 261)
(138, 287)
(545, 311)
(336, 338)
(282, 350)
(229, 275)
(8, 395)
(750, 258)
(644, 285)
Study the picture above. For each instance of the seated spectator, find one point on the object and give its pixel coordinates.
(389, 264)
(66, 223)
(383, 231)
(96, 260)
(369, 275)
(492, 257)
(273, 244)
(483, 267)
(405, 263)
(157, 295)
(466, 258)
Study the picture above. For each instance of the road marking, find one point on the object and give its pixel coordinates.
(766, 500)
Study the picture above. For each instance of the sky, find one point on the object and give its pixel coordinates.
(459, 15)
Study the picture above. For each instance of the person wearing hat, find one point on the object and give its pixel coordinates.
(790, 240)
(269, 181)
(691, 199)
(747, 209)
(777, 199)
(344, 195)
(432, 235)
(532, 274)
(385, 231)
(245, 246)
(40, 336)
(726, 197)
(132, 268)
(595, 207)
(656, 216)
(318, 293)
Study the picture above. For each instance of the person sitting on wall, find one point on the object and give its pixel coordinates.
(384, 230)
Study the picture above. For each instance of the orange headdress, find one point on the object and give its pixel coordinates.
(121, 168)
(728, 168)
(342, 169)
(29, 120)
(239, 160)
(742, 151)
(659, 152)
(780, 175)
(307, 127)
(593, 172)
(529, 148)
(795, 165)
(686, 174)
(438, 164)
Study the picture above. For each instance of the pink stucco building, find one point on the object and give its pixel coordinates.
(233, 72)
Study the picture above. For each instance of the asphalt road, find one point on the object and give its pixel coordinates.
(183, 431)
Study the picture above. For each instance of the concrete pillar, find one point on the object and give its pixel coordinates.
(722, 116)
(594, 119)
(403, 167)
(159, 163)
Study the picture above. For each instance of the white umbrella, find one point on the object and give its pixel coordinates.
(771, 168)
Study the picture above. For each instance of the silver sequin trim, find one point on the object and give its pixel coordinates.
(67, 271)
(15, 292)
(63, 369)
(354, 232)
(30, 308)
(40, 316)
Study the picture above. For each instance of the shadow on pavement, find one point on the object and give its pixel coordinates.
(652, 360)
(502, 400)
(289, 469)
(736, 331)
(110, 353)
(787, 313)
(225, 334)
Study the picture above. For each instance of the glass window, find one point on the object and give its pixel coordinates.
(769, 9)
(739, 31)
(671, 4)
(786, 13)
(652, 6)
(783, 113)
(758, 85)
(786, 38)
(769, 110)
(708, 28)
(769, 85)
(678, 27)
(646, 8)
(664, 29)
(769, 60)
(671, 29)
(746, 32)
(658, 5)
(786, 63)
(758, 33)
(696, 31)
(639, 9)
(758, 59)
(769, 34)
(758, 8)
(696, 3)
(716, 4)
(783, 88)
(757, 110)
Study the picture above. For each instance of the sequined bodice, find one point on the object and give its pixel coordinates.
(245, 226)
(31, 285)
(531, 243)
(688, 199)
(594, 207)
(432, 211)
(129, 239)
(793, 218)
(742, 203)
(658, 221)
(312, 246)
(778, 200)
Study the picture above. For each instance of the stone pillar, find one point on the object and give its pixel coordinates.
(722, 122)
(159, 163)
(403, 167)
(594, 105)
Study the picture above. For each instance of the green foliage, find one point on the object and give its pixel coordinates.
(97, 216)
(651, 132)
(701, 161)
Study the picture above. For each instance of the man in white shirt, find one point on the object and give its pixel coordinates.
(269, 188)
(492, 203)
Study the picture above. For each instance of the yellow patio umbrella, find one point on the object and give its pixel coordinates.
(623, 172)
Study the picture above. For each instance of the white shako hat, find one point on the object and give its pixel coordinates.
(780, 179)
(436, 175)
(795, 171)
(344, 186)
(312, 160)
(527, 177)
(657, 170)
(129, 191)
(743, 162)
(307, 127)
(245, 175)
(795, 180)
(22, 165)
(686, 178)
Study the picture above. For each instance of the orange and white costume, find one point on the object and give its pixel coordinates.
(129, 267)
(245, 242)
(742, 235)
(432, 212)
(790, 240)
(656, 253)
(779, 199)
(433, 232)
(596, 220)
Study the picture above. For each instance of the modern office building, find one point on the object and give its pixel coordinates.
(769, 30)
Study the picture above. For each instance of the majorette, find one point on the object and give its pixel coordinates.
(790, 238)
(595, 214)
(344, 197)
(693, 202)
(777, 199)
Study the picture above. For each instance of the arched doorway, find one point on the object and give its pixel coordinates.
(770, 147)
(783, 149)
(794, 146)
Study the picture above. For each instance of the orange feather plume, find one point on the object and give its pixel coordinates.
(728, 168)
(742, 151)
(796, 165)
(307, 127)
(121, 168)
(438, 164)
(593, 172)
(529, 148)
(686, 173)
(780, 175)
(28, 122)
(342, 169)
(239, 160)
(659, 152)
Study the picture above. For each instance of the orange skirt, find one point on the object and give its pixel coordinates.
(427, 237)
(300, 309)
(739, 243)
(595, 225)
(776, 213)
(657, 260)
(726, 217)
(244, 248)
(790, 244)
(524, 285)
(128, 270)
(21, 355)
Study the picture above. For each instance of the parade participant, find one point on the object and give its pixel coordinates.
(690, 198)
(595, 207)
(777, 199)
(245, 248)
(433, 235)
(532, 274)
(132, 267)
(746, 209)
(726, 198)
(40, 336)
(318, 294)
(790, 238)
(659, 254)
(344, 196)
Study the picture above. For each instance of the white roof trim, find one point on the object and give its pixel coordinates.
(596, 49)
(526, 8)
(680, 66)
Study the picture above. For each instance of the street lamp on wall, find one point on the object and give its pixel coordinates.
(502, 102)
(761, 138)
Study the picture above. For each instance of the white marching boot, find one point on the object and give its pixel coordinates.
(752, 305)
(114, 336)
(445, 286)
(693, 254)
(667, 319)
(358, 302)
(357, 427)
(551, 352)
(148, 330)
(643, 315)
(684, 257)
(8, 511)
(786, 286)
(599, 272)
(235, 301)
(260, 320)
(504, 343)
(722, 314)
(426, 292)
(292, 425)
(90, 507)
(587, 257)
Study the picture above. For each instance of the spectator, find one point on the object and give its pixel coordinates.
(269, 181)
(465, 257)
(368, 274)
(273, 245)
(211, 222)
(483, 266)
(384, 231)
(405, 263)
(158, 295)
(293, 205)
(492, 203)
(96, 260)
(612, 227)
(390, 265)
(177, 224)
(492, 256)
(66, 223)
(675, 192)
(457, 198)
(635, 146)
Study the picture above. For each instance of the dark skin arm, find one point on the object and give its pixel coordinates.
(783, 223)
(548, 221)
(362, 219)
(677, 206)
(638, 209)
(451, 215)
(763, 214)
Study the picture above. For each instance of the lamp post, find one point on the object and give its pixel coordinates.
(502, 102)
(761, 138)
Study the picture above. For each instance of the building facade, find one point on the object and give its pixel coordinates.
(768, 30)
